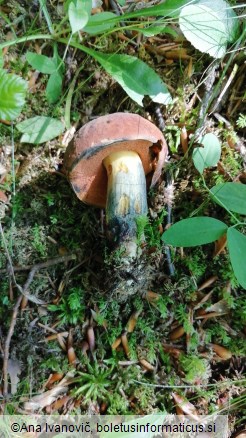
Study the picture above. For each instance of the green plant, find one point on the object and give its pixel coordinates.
(70, 309)
(135, 76)
(183, 318)
(150, 230)
(12, 95)
(39, 240)
(241, 121)
(202, 230)
(209, 25)
(94, 385)
(196, 369)
(54, 67)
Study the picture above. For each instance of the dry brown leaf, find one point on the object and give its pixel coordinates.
(32, 81)
(3, 170)
(146, 365)
(68, 135)
(24, 303)
(40, 401)
(208, 282)
(55, 335)
(187, 407)
(219, 307)
(3, 197)
(222, 352)
(71, 356)
(84, 347)
(131, 324)
(53, 378)
(61, 341)
(152, 296)
(220, 245)
(177, 333)
(175, 352)
(125, 344)
(116, 343)
(184, 139)
(203, 300)
(209, 315)
(179, 412)
(180, 53)
(91, 338)
(190, 69)
(58, 404)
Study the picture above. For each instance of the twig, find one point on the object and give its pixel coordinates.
(118, 11)
(42, 265)
(7, 345)
(11, 268)
(225, 88)
(168, 190)
(208, 96)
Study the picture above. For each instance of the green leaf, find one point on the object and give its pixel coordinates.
(209, 154)
(39, 129)
(1, 59)
(41, 63)
(79, 13)
(99, 23)
(230, 195)
(54, 87)
(135, 77)
(209, 25)
(171, 8)
(194, 231)
(12, 95)
(237, 249)
(155, 29)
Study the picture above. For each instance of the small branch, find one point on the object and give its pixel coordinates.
(42, 265)
(224, 90)
(7, 345)
(208, 96)
(169, 189)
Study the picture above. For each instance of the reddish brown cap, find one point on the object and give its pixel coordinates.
(98, 139)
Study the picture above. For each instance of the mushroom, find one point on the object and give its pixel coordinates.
(106, 163)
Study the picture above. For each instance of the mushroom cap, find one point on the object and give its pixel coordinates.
(83, 160)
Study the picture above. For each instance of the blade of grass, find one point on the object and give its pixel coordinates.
(46, 16)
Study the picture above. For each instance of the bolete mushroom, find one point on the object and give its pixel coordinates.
(106, 163)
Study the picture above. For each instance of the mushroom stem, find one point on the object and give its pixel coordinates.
(126, 198)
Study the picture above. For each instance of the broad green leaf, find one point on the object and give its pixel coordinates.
(79, 13)
(99, 23)
(54, 87)
(230, 195)
(209, 154)
(155, 29)
(41, 63)
(236, 242)
(135, 77)
(194, 231)
(12, 95)
(171, 8)
(39, 129)
(209, 25)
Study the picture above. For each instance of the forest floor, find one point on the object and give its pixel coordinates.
(178, 344)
